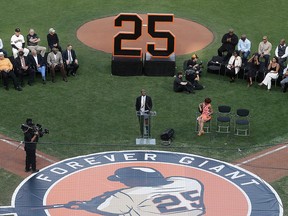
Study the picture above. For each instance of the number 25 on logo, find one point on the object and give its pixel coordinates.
(152, 31)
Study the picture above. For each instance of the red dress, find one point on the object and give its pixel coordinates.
(206, 112)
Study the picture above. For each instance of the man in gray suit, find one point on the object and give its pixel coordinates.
(55, 62)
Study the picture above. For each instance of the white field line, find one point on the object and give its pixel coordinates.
(16, 145)
(262, 155)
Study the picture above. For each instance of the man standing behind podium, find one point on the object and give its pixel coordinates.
(143, 105)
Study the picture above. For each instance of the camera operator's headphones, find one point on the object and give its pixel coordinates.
(29, 121)
(194, 56)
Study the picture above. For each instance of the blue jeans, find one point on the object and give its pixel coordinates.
(42, 70)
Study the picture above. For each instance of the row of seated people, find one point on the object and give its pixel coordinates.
(230, 42)
(254, 66)
(66, 62)
(33, 40)
(272, 69)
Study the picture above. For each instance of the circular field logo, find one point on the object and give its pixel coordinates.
(143, 183)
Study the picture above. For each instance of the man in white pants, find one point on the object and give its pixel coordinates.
(18, 43)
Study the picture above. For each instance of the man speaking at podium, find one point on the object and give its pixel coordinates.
(143, 107)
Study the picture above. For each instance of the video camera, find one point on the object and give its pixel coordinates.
(34, 128)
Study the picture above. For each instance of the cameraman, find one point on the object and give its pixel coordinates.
(193, 77)
(30, 139)
(195, 64)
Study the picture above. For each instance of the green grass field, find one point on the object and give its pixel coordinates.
(95, 111)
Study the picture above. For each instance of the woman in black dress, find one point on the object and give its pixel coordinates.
(253, 66)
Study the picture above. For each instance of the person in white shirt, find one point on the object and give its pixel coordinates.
(18, 43)
(234, 66)
(2, 50)
(38, 64)
(143, 106)
(244, 47)
(281, 52)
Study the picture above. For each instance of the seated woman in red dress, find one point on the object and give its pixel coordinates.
(206, 111)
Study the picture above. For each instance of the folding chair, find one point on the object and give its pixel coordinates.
(223, 120)
(242, 123)
(216, 65)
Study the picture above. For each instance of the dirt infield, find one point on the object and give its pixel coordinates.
(13, 157)
(190, 36)
(270, 164)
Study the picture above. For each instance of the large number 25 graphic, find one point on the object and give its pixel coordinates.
(152, 31)
(185, 201)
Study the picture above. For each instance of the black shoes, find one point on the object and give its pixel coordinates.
(30, 170)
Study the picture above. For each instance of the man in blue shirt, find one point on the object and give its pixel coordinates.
(244, 47)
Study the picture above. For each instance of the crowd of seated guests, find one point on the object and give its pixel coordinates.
(34, 59)
(236, 56)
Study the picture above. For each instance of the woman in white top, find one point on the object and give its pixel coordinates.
(273, 69)
(234, 66)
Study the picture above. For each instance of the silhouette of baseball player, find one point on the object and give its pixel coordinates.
(148, 193)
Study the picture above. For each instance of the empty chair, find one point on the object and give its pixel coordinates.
(242, 123)
(223, 120)
(216, 65)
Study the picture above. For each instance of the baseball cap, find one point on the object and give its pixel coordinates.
(17, 30)
(1, 53)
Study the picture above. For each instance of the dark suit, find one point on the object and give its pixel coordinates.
(148, 103)
(71, 67)
(144, 119)
(41, 63)
(20, 72)
(228, 45)
(32, 61)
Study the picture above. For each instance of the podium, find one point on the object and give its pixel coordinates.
(145, 128)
